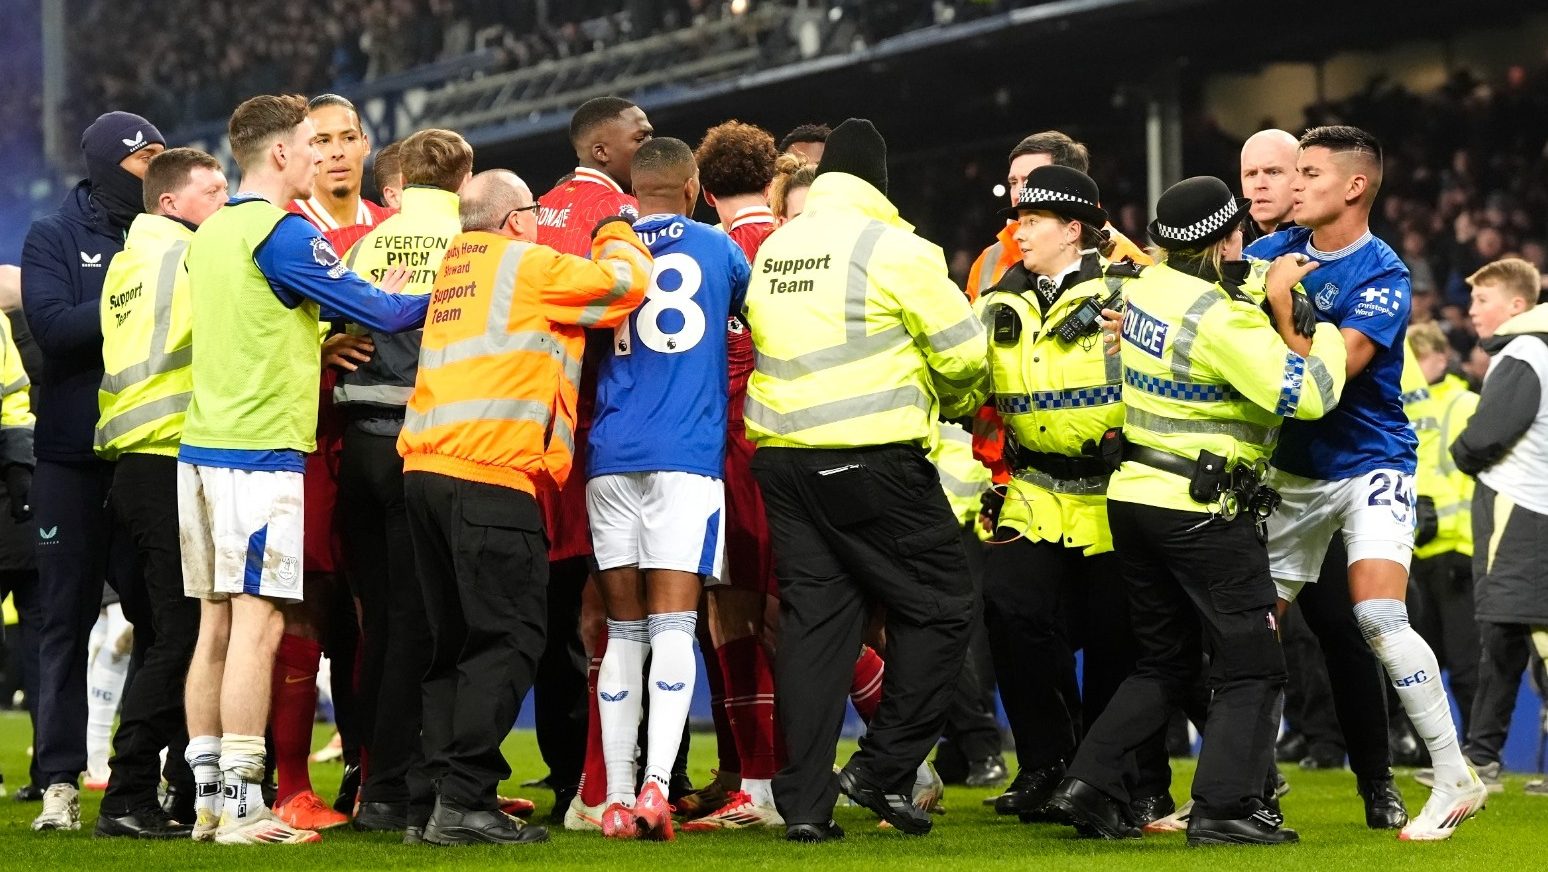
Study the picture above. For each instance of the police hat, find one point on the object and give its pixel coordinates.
(1196, 212)
(1066, 192)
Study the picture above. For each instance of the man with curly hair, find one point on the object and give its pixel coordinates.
(736, 164)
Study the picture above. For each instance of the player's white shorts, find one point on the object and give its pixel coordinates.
(658, 520)
(241, 532)
(1375, 511)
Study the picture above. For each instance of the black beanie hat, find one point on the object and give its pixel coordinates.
(111, 138)
(856, 148)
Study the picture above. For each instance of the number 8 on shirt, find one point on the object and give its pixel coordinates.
(655, 471)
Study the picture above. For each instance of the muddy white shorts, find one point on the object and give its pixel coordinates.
(240, 531)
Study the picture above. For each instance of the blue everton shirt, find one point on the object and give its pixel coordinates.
(661, 394)
(1364, 286)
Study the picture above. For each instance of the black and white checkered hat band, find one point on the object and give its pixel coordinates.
(1043, 195)
(1199, 229)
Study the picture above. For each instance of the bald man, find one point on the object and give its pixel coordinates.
(1268, 168)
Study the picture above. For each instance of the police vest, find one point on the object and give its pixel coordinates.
(1205, 370)
(147, 342)
(861, 338)
(1438, 416)
(500, 361)
(963, 477)
(415, 239)
(1057, 397)
(256, 363)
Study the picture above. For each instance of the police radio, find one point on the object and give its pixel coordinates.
(1084, 320)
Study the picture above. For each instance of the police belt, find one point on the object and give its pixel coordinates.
(1063, 467)
(1239, 488)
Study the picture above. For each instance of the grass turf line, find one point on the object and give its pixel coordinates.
(1510, 835)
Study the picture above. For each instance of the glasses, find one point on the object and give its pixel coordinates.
(513, 212)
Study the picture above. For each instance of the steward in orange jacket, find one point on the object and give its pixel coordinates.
(489, 423)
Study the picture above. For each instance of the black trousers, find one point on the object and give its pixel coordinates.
(877, 532)
(483, 567)
(559, 694)
(76, 550)
(1353, 687)
(395, 633)
(972, 729)
(1181, 581)
(1506, 652)
(1440, 606)
(1042, 603)
(143, 500)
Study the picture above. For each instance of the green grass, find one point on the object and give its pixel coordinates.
(1511, 835)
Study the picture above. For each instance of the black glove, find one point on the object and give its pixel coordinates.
(1304, 315)
(1301, 314)
(990, 502)
(609, 220)
(1427, 525)
(18, 485)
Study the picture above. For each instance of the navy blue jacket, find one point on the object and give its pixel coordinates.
(64, 261)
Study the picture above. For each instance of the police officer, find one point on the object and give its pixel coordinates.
(1052, 585)
(862, 342)
(1208, 376)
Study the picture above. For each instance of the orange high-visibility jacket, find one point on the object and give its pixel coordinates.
(499, 366)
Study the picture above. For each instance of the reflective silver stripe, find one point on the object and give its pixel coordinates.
(962, 331)
(480, 346)
(858, 344)
(860, 279)
(157, 361)
(122, 424)
(855, 349)
(1324, 382)
(1447, 466)
(20, 384)
(565, 435)
(1113, 362)
(957, 434)
(469, 411)
(623, 273)
(387, 395)
(353, 254)
(959, 488)
(991, 260)
(785, 423)
(1238, 430)
(1076, 487)
(1453, 509)
(1188, 330)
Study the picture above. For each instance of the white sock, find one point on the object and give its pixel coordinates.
(672, 672)
(759, 790)
(1415, 674)
(241, 765)
(620, 699)
(112, 641)
(203, 756)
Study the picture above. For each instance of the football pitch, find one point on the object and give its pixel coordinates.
(1510, 835)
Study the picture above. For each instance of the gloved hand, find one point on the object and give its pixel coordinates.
(990, 501)
(18, 487)
(609, 220)
(1301, 312)
(1427, 521)
(1305, 315)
